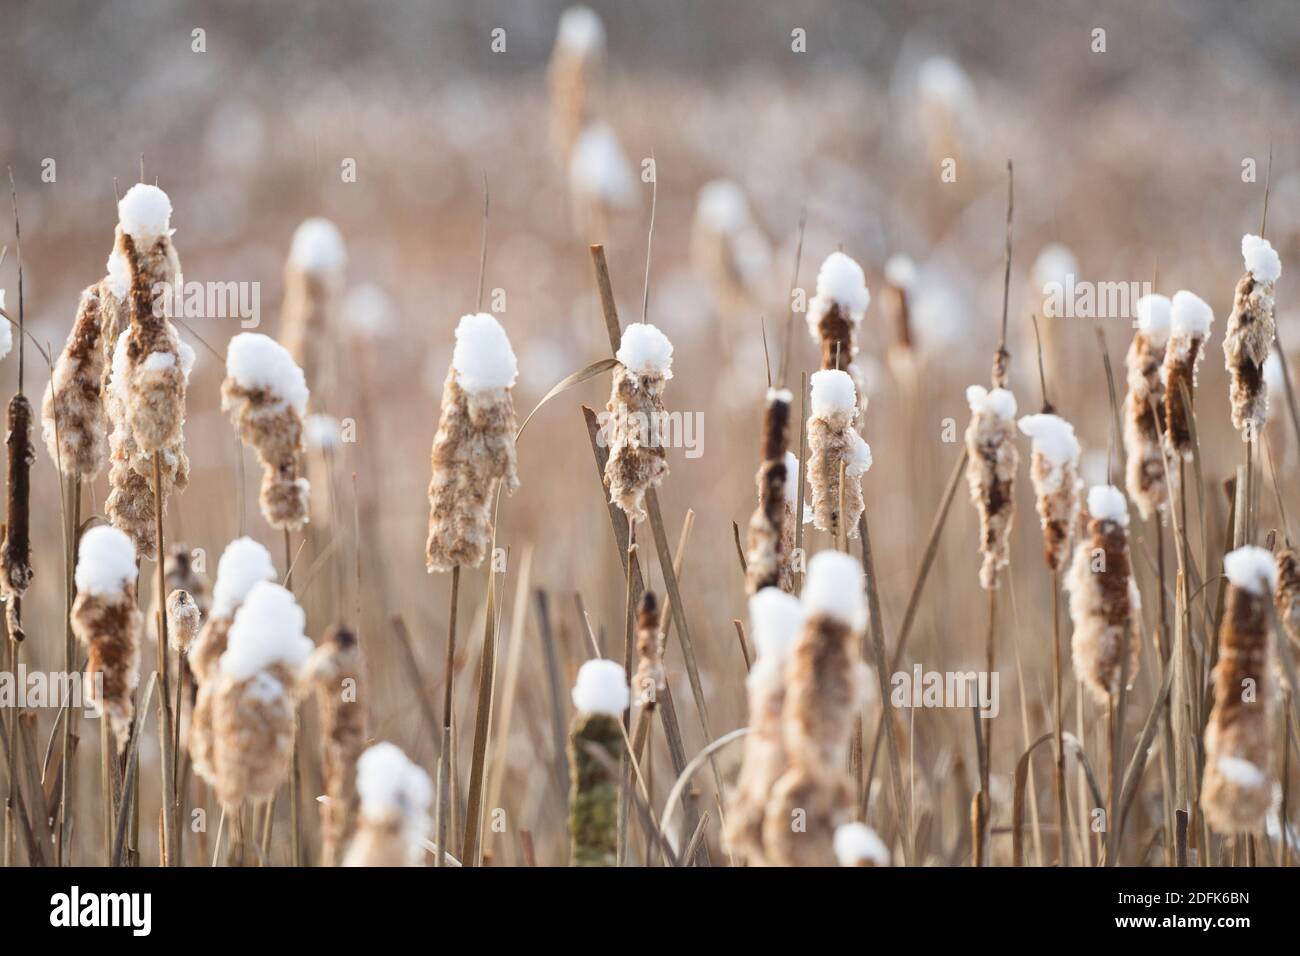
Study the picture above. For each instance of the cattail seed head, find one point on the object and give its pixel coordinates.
(1249, 336)
(634, 430)
(313, 287)
(574, 76)
(475, 444)
(1190, 320)
(767, 559)
(1146, 468)
(16, 555)
(600, 696)
(183, 619)
(1237, 789)
(835, 447)
(266, 395)
(1288, 594)
(649, 678)
(776, 619)
(856, 844)
(991, 475)
(1104, 600)
(1054, 471)
(74, 422)
(395, 795)
(728, 250)
(336, 669)
(106, 619)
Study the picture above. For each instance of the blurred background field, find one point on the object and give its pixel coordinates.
(1128, 164)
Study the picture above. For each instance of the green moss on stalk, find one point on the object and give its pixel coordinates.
(593, 797)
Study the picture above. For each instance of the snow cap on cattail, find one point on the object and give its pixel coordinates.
(145, 213)
(1107, 503)
(644, 350)
(601, 688)
(599, 170)
(318, 247)
(482, 357)
(833, 589)
(396, 794)
(1251, 569)
(580, 30)
(242, 565)
(321, 432)
(1262, 260)
(856, 844)
(105, 562)
(267, 630)
(1153, 318)
(259, 363)
(841, 285)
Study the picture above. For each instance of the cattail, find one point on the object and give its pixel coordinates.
(114, 292)
(180, 574)
(574, 76)
(649, 678)
(856, 844)
(1147, 464)
(767, 560)
(1104, 599)
(183, 619)
(728, 250)
(991, 475)
(1052, 280)
(313, 288)
(1249, 337)
(243, 564)
(394, 816)
(948, 111)
(825, 683)
(775, 621)
(73, 421)
(600, 696)
(256, 683)
(900, 281)
(155, 374)
(265, 395)
(601, 182)
(636, 421)
(1237, 789)
(835, 313)
(835, 448)
(1054, 471)
(336, 670)
(1189, 327)
(105, 617)
(16, 555)
(1288, 594)
(475, 444)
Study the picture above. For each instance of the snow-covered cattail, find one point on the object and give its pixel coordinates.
(16, 553)
(256, 684)
(834, 444)
(825, 683)
(991, 474)
(394, 815)
(775, 621)
(728, 251)
(243, 564)
(183, 620)
(574, 76)
(948, 111)
(767, 561)
(1288, 594)
(313, 288)
(1104, 601)
(600, 696)
(265, 395)
(636, 418)
(336, 670)
(1248, 339)
(1054, 471)
(73, 420)
(180, 574)
(1237, 789)
(856, 844)
(601, 181)
(900, 280)
(1146, 460)
(835, 313)
(475, 444)
(105, 617)
(154, 377)
(1189, 327)
(649, 680)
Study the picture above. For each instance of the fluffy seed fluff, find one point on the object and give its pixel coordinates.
(636, 418)
(825, 683)
(1190, 320)
(1054, 471)
(106, 619)
(834, 444)
(991, 475)
(1287, 596)
(1248, 339)
(474, 447)
(395, 795)
(856, 844)
(336, 670)
(255, 691)
(1104, 600)
(1147, 468)
(265, 395)
(183, 620)
(775, 621)
(1237, 788)
(73, 420)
